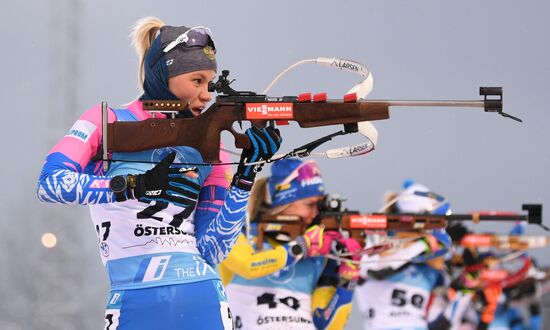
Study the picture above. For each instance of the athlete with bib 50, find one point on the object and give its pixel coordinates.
(400, 283)
(162, 225)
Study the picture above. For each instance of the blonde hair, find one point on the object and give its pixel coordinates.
(388, 197)
(143, 34)
(260, 201)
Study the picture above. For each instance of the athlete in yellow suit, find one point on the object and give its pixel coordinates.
(289, 285)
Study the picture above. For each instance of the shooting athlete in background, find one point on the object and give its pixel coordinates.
(289, 284)
(400, 282)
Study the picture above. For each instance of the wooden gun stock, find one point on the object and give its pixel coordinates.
(382, 221)
(204, 132)
(353, 223)
(356, 224)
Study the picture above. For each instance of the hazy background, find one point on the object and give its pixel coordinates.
(60, 57)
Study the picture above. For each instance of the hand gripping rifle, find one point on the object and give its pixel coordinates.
(203, 132)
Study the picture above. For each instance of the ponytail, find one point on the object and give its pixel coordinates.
(260, 201)
(390, 201)
(259, 198)
(143, 34)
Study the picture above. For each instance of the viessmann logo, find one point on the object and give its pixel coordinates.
(476, 240)
(272, 110)
(368, 221)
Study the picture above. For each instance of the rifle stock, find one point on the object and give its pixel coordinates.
(357, 225)
(204, 132)
(291, 226)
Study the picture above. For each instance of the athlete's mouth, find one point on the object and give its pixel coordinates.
(197, 111)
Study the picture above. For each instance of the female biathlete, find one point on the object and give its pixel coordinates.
(289, 284)
(400, 283)
(162, 227)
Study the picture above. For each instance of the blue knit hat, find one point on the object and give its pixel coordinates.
(292, 179)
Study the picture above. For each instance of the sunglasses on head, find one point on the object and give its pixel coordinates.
(304, 171)
(198, 36)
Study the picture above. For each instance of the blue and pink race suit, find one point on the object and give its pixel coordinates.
(146, 247)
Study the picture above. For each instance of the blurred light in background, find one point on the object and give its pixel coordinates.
(49, 240)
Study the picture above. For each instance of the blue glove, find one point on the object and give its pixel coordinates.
(264, 144)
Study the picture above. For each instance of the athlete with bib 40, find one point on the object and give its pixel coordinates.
(289, 284)
(162, 225)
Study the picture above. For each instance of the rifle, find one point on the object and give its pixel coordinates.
(356, 225)
(333, 216)
(517, 243)
(204, 132)
(520, 242)
(353, 223)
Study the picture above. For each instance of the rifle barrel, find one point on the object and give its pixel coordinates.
(431, 103)
(533, 216)
(483, 217)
